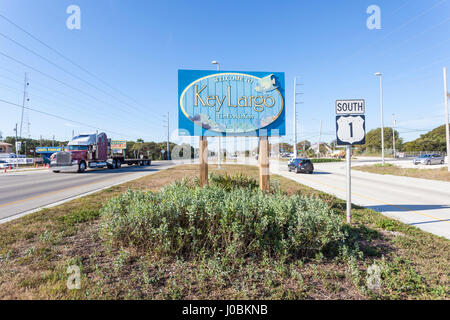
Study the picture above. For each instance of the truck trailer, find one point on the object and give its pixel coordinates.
(93, 151)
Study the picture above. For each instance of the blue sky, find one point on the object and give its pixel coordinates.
(136, 47)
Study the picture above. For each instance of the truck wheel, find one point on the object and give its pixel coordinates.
(81, 167)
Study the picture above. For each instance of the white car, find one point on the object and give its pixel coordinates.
(429, 159)
(4, 164)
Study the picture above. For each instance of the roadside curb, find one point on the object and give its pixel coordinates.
(59, 202)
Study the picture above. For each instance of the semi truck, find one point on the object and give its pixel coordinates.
(94, 151)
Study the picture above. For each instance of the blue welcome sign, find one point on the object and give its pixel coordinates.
(231, 103)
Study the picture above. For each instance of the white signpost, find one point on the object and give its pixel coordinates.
(350, 130)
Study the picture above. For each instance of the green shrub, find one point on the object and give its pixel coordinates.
(386, 165)
(184, 219)
(229, 182)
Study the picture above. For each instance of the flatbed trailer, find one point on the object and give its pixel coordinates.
(91, 151)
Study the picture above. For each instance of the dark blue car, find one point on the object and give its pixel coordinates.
(301, 165)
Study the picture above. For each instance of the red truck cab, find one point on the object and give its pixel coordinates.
(91, 151)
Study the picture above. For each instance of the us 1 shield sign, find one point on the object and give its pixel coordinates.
(350, 130)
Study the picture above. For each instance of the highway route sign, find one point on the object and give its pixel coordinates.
(350, 130)
(351, 106)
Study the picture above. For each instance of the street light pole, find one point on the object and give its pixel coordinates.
(379, 74)
(447, 134)
(220, 137)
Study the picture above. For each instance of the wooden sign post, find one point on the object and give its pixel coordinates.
(264, 174)
(203, 144)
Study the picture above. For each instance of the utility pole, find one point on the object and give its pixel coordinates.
(23, 102)
(295, 117)
(168, 138)
(447, 134)
(168, 145)
(394, 122)
(295, 114)
(379, 74)
(53, 141)
(17, 156)
(320, 138)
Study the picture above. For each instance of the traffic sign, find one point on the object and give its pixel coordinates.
(350, 130)
(350, 106)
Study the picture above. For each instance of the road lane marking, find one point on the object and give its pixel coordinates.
(382, 202)
(57, 191)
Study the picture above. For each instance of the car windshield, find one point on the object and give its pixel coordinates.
(78, 147)
(424, 156)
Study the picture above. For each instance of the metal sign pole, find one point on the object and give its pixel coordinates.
(350, 130)
(349, 183)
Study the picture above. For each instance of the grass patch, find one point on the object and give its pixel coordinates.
(78, 216)
(323, 160)
(222, 259)
(434, 174)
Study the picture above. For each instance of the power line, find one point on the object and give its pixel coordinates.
(51, 93)
(68, 60)
(417, 35)
(59, 81)
(60, 117)
(66, 71)
(348, 58)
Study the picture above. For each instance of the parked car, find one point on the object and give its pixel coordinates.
(4, 164)
(300, 165)
(429, 159)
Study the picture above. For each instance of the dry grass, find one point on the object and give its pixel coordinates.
(36, 250)
(434, 174)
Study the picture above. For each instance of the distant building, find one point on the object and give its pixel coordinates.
(5, 147)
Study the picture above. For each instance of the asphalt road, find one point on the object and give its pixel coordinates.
(24, 191)
(419, 202)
